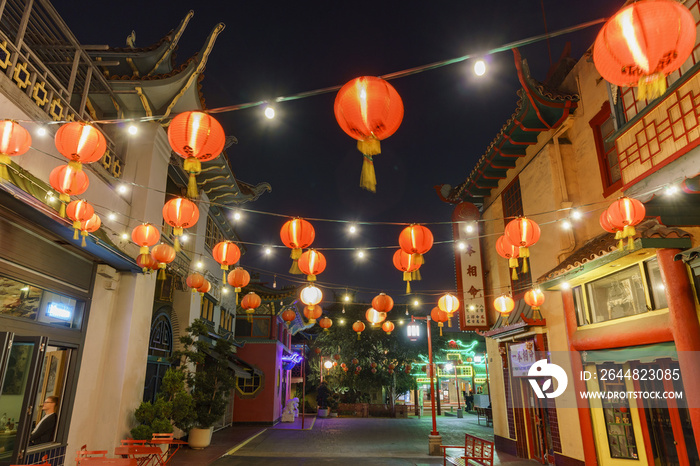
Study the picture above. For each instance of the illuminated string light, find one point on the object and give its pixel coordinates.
(122, 189)
(224, 290)
(461, 246)
(133, 129)
(479, 67)
(125, 236)
(199, 265)
(267, 250)
(184, 238)
(269, 113)
(470, 228)
(41, 131)
(352, 229)
(566, 225)
(565, 286)
(236, 215)
(576, 215)
(112, 216)
(671, 190)
(360, 254)
(416, 302)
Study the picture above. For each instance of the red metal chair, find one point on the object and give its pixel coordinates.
(84, 454)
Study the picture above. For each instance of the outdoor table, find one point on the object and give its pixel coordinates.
(143, 454)
(98, 461)
(173, 446)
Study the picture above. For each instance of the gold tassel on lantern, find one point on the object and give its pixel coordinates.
(513, 264)
(65, 199)
(369, 148)
(652, 86)
(83, 234)
(193, 166)
(440, 324)
(177, 232)
(524, 253)
(161, 272)
(358, 335)
(76, 230)
(295, 255)
(407, 279)
(629, 232)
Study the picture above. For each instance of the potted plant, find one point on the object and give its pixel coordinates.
(174, 406)
(322, 396)
(209, 378)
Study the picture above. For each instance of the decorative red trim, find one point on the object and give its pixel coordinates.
(595, 123)
(687, 148)
(521, 78)
(641, 411)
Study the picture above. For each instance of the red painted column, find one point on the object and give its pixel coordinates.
(584, 411)
(685, 328)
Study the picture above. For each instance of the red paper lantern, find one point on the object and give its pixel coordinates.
(439, 316)
(80, 143)
(358, 327)
(312, 263)
(204, 288)
(325, 323)
(534, 298)
(195, 281)
(504, 304)
(522, 232)
(508, 251)
(368, 109)
(288, 316)
(408, 264)
(373, 365)
(383, 302)
(14, 140)
(644, 42)
(374, 317)
(605, 224)
(238, 278)
(312, 312)
(416, 239)
(145, 236)
(180, 213)
(317, 350)
(164, 254)
(226, 253)
(388, 327)
(79, 211)
(355, 360)
(89, 226)
(623, 215)
(67, 181)
(297, 234)
(250, 302)
(147, 263)
(373, 370)
(196, 137)
(336, 357)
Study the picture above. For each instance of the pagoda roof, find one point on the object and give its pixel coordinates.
(539, 109)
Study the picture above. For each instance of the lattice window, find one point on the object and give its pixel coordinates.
(214, 235)
(207, 309)
(628, 96)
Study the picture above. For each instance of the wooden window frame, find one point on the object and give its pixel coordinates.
(609, 187)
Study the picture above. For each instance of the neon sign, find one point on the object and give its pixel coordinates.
(59, 311)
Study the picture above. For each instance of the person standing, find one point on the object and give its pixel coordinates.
(44, 430)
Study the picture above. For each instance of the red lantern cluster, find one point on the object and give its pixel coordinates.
(67, 181)
(621, 217)
(644, 42)
(145, 236)
(196, 137)
(508, 251)
(408, 264)
(79, 211)
(523, 233)
(368, 109)
(297, 234)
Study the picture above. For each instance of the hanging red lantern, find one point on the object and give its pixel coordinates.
(408, 264)
(358, 369)
(317, 350)
(297, 234)
(439, 316)
(147, 263)
(195, 281)
(312, 312)
(336, 356)
(374, 317)
(391, 367)
(504, 304)
(67, 181)
(534, 298)
(523, 232)
(238, 278)
(355, 361)
(250, 302)
(312, 263)
(180, 213)
(226, 253)
(311, 295)
(14, 140)
(204, 288)
(368, 109)
(508, 251)
(325, 323)
(145, 236)
(388, 327)
(373, 365)
(358, 327)
(383, 302)
(288, 316)
(644, 42)
(80, 143)
(79, 211)
(373, 370)
(416, 239)
(196, 137)
(89, 226)
(164, 254)
(624, 214)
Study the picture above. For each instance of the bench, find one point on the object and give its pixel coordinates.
(476, 451)
(484, 413)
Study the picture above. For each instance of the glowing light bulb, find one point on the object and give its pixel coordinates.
(400, 321)
(41, 131)
(352, 229)
(122, 189)
(269, 113)
(470, 228)
(472, 307)
(236, 215)
(184, 238)
(461, 246)
(112, 216)
(479, 67)
(565, 286)
(200, 265)
(268, 250)
(346, 298)
(416, 302)
(566, 225)
(224, 290)
(576, 215)
(125, 236)
(361, 254)
(133, 129)
(671, 190)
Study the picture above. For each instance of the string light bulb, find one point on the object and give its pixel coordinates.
(360, 254)
(200, 265)
(236, 215)
(184, 238)
(566, 225)
(122, 189)
(269, 112)
(671, 190)
(133, 129)
(479, 67)
(470, 228)
(461, 246)
(125, 236)
(576, 215)
(352, 229)
(41, 131)
(267, 250)
(112, 216)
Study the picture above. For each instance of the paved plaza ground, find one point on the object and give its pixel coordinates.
(339, 441)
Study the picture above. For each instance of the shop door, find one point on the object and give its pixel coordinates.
(21, 359)
(537, 419)
(670, 432)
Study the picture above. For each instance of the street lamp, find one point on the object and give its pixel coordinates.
(434, 438)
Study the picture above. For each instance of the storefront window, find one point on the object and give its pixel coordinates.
(18, 299)
(618, 295)
(52, 380)
(656, 284)
(618, 421)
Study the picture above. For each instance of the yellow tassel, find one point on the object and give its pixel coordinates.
(358, 336)
(368, 180)
(408, 287)
(370, 147)
(515, 274)
(76, 230)
(440, 324)
(621, 244)
(143, 250)
(62, 210)
(419, 260)
(161, 274)
(294, 269)
(176, 244)
(4, 162)
(75, 165)
(449, 322)
(525, 269)
(630, 243)
(652, 86)
(83, 234)
(524, 252)
(311, 278)
(416, 276)
(145, 269)
(192, 192)
(296, 253)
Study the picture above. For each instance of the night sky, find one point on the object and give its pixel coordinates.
(272, 49)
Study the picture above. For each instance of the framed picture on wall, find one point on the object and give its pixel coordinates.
(53, 376)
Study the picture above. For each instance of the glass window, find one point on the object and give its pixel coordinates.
(19, 299)
(603, 126)
(658, 289)
(618, 295)
(52, 380)
(618, 420)
(249, 386)
(581, 314)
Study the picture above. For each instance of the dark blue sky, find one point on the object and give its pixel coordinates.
(271, 49)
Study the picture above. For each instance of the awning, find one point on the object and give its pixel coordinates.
(239, 367)
(645, 354)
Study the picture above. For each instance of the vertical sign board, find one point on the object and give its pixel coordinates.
(470, 276)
